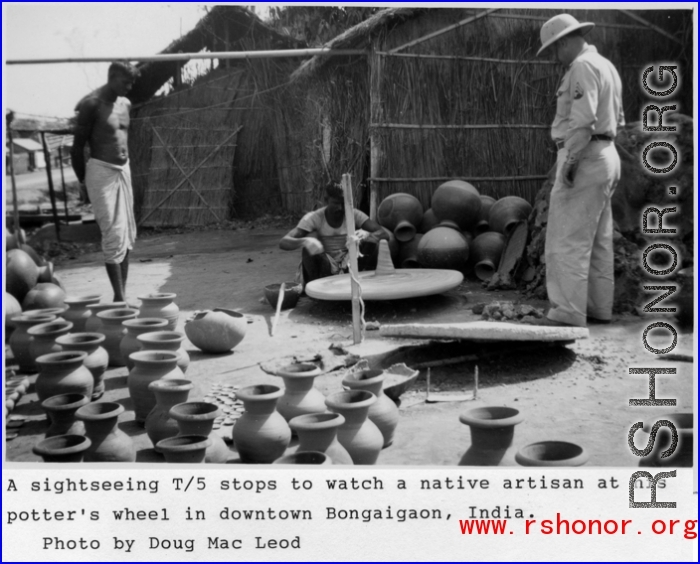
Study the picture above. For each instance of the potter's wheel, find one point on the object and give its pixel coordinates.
(386, 283)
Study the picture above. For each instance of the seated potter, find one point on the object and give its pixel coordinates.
(326, 253)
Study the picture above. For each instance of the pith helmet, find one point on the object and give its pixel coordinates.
(557, 27)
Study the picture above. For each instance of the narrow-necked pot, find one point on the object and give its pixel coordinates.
(61, 410)
(93, 324)
(383, 413)
(159, 425)
(150, 366)
(361, 437)
(305, 457)
(63, 373)
(185, 449)
(45, 335)
(114, 331)
(97, 358)
(132, 329)
(552, 453)
(20, 339)
(166, 341)
(492, 429)
(63, 448)
(160, 305)
(319, 432)
(300, 397)
(197, 418)
(78, 312)
(109, 442)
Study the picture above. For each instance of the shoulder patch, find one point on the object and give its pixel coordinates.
(578, 91)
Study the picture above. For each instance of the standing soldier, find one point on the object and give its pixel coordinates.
(579, 247)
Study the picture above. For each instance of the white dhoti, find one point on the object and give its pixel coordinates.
(578, 247)
(109, 189)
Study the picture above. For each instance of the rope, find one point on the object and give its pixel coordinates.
(355, 239)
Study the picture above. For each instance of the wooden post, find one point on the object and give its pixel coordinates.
(376, 116)
(63, 179)
(346, 183)
(15, 213)
(52, 193)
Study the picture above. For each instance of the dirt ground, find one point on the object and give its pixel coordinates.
(577, 393)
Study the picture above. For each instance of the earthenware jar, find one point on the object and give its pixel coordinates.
(159, 425)
(109, 442)
(197, 418)
(63, 448)
(552, 453)
(408, 253)
(93, 324)
(305, 457)
(12, 309)
(63, 373)
(290, 296)
(20, 339)
(132, 329)
(383, 413)
(217, 330)
(160, 305)
(61, 413)
(429, 221)
(361, 438)
(457, 201)
(401, 213)
(443, 247)
(486, 253)
(97, 357)
(77, 312)
(184, 449)
(21, 273)
(506, 212)
(150, 366)
(165, 341)
(682, 457)
(482, 221)
(300, 397)
(492, 430)
(113, 330)
(261, 435)
(45, 335)
(318, 432)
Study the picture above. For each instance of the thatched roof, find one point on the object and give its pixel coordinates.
(358, 37)
(209, 34)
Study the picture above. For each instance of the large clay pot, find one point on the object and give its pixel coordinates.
(97, 358)
(216, 331)
(486, 253)
(552, 453)
(109, 442)
(261, 435)
(63, 448)
(31, 251)
(184, 449)
(457, 201)
(44, 337)
(159, 425)
(63, 373)
(361, 438)
(46, 274)
(165, 341)
(300, 397)
(61, 413)
(429, 221)
(305, 457)
(383, 413)
(492, 430)
(150, 366)
(94, 323)
(77, 312)
(13, 238)
(12, 309)
(482, 221)
(401, 213)
(160, 305)
(22, 273)
(114, 331)
(506, 212)
(197, 418)
(408, 253)
(318, 432)
(42, 296)
(132, 329)
(683, 455)
(20, 339)
(443, 247)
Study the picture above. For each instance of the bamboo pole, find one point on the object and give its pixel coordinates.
(474, 59)
(465, 178)
(15, 212)
(52, 193)
(346, 183)
(376, 113)
(444, 30)
(459, 126)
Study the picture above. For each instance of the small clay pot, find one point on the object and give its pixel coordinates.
(185, 449)
(63, 373)
(20, 339)
(457, 201)
(486, 253)
(318, 432)
(63, 448)
(132, 329)
(165, 341)
(292, 293)
(216, 331)
(93, 324)
(114, 331)
(77, 312)
(383, 413)
(552, 453)
(401, 213)
(492, 429)
(97, 358)
(45, 335)
(361, 438)
(197, 418)
(150, 366)
(482, 220)
(507, 212)
(160, 305)
(300, 397)
(109, 443)
(305, 457)
(61, 413)
(159, 425)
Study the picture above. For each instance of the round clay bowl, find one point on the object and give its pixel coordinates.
(305, 457)
(63, 448)
(184, 448)
(292, 292)
(491, 417)
(552, 453)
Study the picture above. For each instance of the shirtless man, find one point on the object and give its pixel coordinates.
(103, 124)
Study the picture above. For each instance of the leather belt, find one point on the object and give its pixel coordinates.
(560, 144)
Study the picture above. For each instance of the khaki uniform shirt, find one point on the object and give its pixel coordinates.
(589, 102)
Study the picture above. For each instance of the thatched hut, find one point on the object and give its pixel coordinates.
(456, 93)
